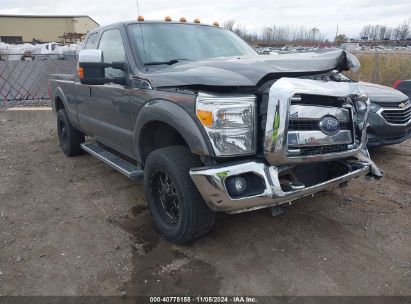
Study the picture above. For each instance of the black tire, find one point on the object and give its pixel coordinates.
(187, 216)
(69, 138)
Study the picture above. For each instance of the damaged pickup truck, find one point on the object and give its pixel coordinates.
(208, 123)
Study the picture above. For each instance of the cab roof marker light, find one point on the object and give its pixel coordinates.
(216, 23)
(140, 18)
(196, 20)
(183, 19)
(167, 18)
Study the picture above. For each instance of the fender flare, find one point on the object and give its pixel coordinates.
(58, 93)
(172, 114)
(69, 107)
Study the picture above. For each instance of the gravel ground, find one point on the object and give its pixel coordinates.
(73, 226)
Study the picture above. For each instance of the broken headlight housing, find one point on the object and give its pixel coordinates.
(362, 106)
(229, 122)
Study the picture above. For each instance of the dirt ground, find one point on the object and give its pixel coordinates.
(73, 226)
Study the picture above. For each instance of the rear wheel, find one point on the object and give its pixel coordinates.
(177, 207)
(70, 139)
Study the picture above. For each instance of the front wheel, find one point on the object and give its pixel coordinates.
(177, 207)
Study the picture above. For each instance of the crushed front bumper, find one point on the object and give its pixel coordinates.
(211, 184)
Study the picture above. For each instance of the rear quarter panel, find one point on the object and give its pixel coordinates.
(62, 87)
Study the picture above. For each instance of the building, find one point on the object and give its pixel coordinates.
(33, 28)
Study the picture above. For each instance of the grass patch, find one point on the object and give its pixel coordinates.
(383, 69)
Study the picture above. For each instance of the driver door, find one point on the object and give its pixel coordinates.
(108, 106)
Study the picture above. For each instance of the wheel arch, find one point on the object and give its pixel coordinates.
(59, 100)
(169, 124)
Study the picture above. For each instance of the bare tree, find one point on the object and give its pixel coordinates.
(365, 32)
(341, 38)
(229, 24)
(314, 33)
(396, 34)
(388, 33)
(381, 34)
(374, 30)
(404, 29)
(276, 33)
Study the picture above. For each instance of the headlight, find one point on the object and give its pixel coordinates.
(229, 122)
(362, 102)
(374, 107)
(361, 106)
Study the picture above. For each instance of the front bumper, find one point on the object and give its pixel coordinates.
(211, 184)
(380, 132)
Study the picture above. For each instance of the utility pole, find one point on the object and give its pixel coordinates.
(336, 34)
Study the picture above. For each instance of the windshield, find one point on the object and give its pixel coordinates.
(169, 43)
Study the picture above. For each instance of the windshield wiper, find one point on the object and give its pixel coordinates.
(170, 62)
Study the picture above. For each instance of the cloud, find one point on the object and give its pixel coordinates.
(349, 15)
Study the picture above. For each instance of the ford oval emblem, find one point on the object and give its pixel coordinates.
(329, 125)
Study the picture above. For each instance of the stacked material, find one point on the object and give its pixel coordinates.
(29, 51)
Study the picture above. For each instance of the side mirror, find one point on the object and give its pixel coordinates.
(92, 68)
(90, 56)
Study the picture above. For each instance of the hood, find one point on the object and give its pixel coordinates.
(382, 94)
(247, 71)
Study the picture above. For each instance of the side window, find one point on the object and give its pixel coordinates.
(91, 41)
(112, 46)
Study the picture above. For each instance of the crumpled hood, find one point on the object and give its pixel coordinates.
(379, 93)
(246, 71)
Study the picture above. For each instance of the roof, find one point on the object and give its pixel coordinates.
(163, 21)
(48, 16)
(128, 22)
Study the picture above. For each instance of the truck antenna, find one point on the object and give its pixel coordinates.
(142, 36)
(138, 8)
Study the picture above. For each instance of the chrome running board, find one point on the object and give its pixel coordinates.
(117, 163)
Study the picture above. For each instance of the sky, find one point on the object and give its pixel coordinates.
(349, 15)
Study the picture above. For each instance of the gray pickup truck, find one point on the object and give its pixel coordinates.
(208, 123)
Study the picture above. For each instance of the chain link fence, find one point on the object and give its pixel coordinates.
(25, 82)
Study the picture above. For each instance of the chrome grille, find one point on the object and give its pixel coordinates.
(323, 149)
(304, 134)
(297, 125)
(295, 103)
(397, 116)
(318, 100)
